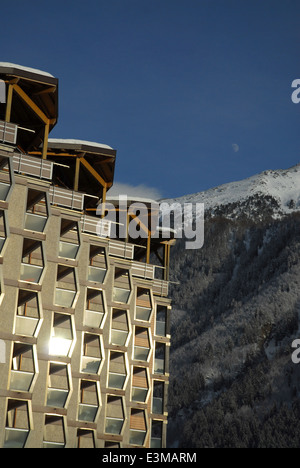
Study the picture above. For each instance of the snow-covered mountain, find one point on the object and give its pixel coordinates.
(277, 190)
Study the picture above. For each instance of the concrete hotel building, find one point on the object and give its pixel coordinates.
(84, 315)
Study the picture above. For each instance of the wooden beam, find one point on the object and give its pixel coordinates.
(9, 103)
(93, 172)
(76, 178)
(148, 247)
(45, 143)
(31, 104)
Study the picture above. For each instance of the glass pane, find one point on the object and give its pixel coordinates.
(113, 425)
(87, 412)
(53, 444)
(159, 366)
(25, 325)
(30, 273)
(93, 319)
(137, 437)
(67, 250)
(15, 438)
(35, 222)
(4, 188)
(155, 442)
(157, 406)
(116, 380)
(59, 346)
(121, 295)
(143, 313)
(21, 380)
(119, 337)
(64, 297)
(96, 274)
(90, 364)
(161, 328)
(141, 354)
(2, 240)
(139, 394)
(57, 397)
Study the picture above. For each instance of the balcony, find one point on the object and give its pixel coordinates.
(141, 354)
(87, 412)
(57, 397)
(116, 380)
(96, 274)
(121, 295)
(118, 337)
(139, 394)
(35, 222)
(15, 438)
(26, 325)
(143, 313)
(30, 273)
(113, 425)
(64, 297)
(67, 250)
(21, 380)
(90, 364)
(137, 437)
(93, 319)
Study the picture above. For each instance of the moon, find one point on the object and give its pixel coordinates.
(235, 147)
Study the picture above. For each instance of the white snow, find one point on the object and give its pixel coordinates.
(282, 185)
(20, 67)
(66, 141)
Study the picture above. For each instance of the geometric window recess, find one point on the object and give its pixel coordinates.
(117, 370)
(92, 355)
(54, 432)
(62, 335)
(58, 385)
(23, 368)
(140, 384)
(138, 427)
(66, 286)
(98, 267)
(119, 327)
(17, 425)
(36, 210)
(141, 344)
(3, 231)
(32, 261)
(122, 288)
(85, 438)
(89, 401)
(69, 239)
(143, 304)
(28, 313)
(114, 415)
(94, 310)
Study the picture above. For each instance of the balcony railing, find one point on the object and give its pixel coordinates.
(21, 380)
(4, 189)
(141, 354)
(116, 380)
(157, 405)
(35, 222)
(31, 273)
(137, 437)
(143, 313)
(113, 425)
(93, 319)
(121, 295)
(159, 366)
(90, 364)
(118, 337)
(96, 274)
(67, 250)
(160, 328)
(156, 442)
(26, 325)
(64, 297)
(15, 438)
(57, 397)
(47, 444)
(139, 394)
(87, 412)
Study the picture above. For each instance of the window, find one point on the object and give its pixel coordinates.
(17, 424)
(61, 335)
(140, 384)
(141, 344)
(119, 328)
(114, 415)
(58, 385)
(36, 210)
(122, 288)
(23, 367)
(161, 320)
(98, 266)
(143, 304)
(54, 432)
(94, 310)
(158, 397)
(66, 286)
(89, 401)
(156, 434)
(159, 361)
(32, 261)
(117, 370)
(69, 239)
(92, 354)
(138, 428)
(28, 313)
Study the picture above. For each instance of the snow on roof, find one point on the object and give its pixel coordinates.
(64, 141)
(28, 69)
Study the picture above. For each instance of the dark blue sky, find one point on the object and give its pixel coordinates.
(191, 93)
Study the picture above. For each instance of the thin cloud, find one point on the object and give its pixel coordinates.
(138, 191)
(235, 147)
